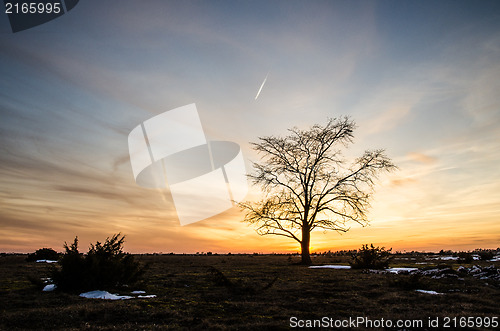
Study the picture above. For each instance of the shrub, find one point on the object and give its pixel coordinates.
(485, 255)
(371, 257)
(43, 254)
(465, 257)
(71, 274)
(104, 267)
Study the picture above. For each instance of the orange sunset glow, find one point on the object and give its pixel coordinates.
(72, 90)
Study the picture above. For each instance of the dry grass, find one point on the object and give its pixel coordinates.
(239, 294)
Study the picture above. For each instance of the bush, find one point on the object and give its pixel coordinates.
(43, 254)
(485, 255)
(104, 267)
(370, 257)
(465, 257)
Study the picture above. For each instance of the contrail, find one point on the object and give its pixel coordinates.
(261, 86)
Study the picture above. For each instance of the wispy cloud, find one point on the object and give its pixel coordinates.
(422, 158)
(69, 99)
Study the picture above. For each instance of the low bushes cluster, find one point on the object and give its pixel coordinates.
(43, 254)
(104, 267)
(371, 257)
(465, 257)
(485, 255)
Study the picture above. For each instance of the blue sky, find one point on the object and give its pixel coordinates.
(420, 78)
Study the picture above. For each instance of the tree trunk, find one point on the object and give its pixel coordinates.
(304, 245)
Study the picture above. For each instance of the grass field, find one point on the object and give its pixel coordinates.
(242, 292)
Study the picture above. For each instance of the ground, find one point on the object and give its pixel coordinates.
(238, 292)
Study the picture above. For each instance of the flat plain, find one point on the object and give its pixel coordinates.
(246, 292)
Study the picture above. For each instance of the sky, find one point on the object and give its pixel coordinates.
(419, 78)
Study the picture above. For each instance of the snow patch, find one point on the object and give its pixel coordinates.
(398, 270)
(428, 292)
(108, 296)
(330, 266)
(446, 258)
(46, 261)
(49, 288)
(104, 295)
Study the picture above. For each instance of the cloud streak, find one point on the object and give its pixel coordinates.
(261, 86)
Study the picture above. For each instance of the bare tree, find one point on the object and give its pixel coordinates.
(307, 184)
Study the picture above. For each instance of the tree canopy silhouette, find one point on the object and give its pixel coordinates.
(307, 184)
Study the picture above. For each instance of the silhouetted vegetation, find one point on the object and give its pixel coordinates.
(465, 257)
(188, 297)
(446, 252)
(104, 267)
(371, 257)
(308, 185)
(43, 254)
(485, 254)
